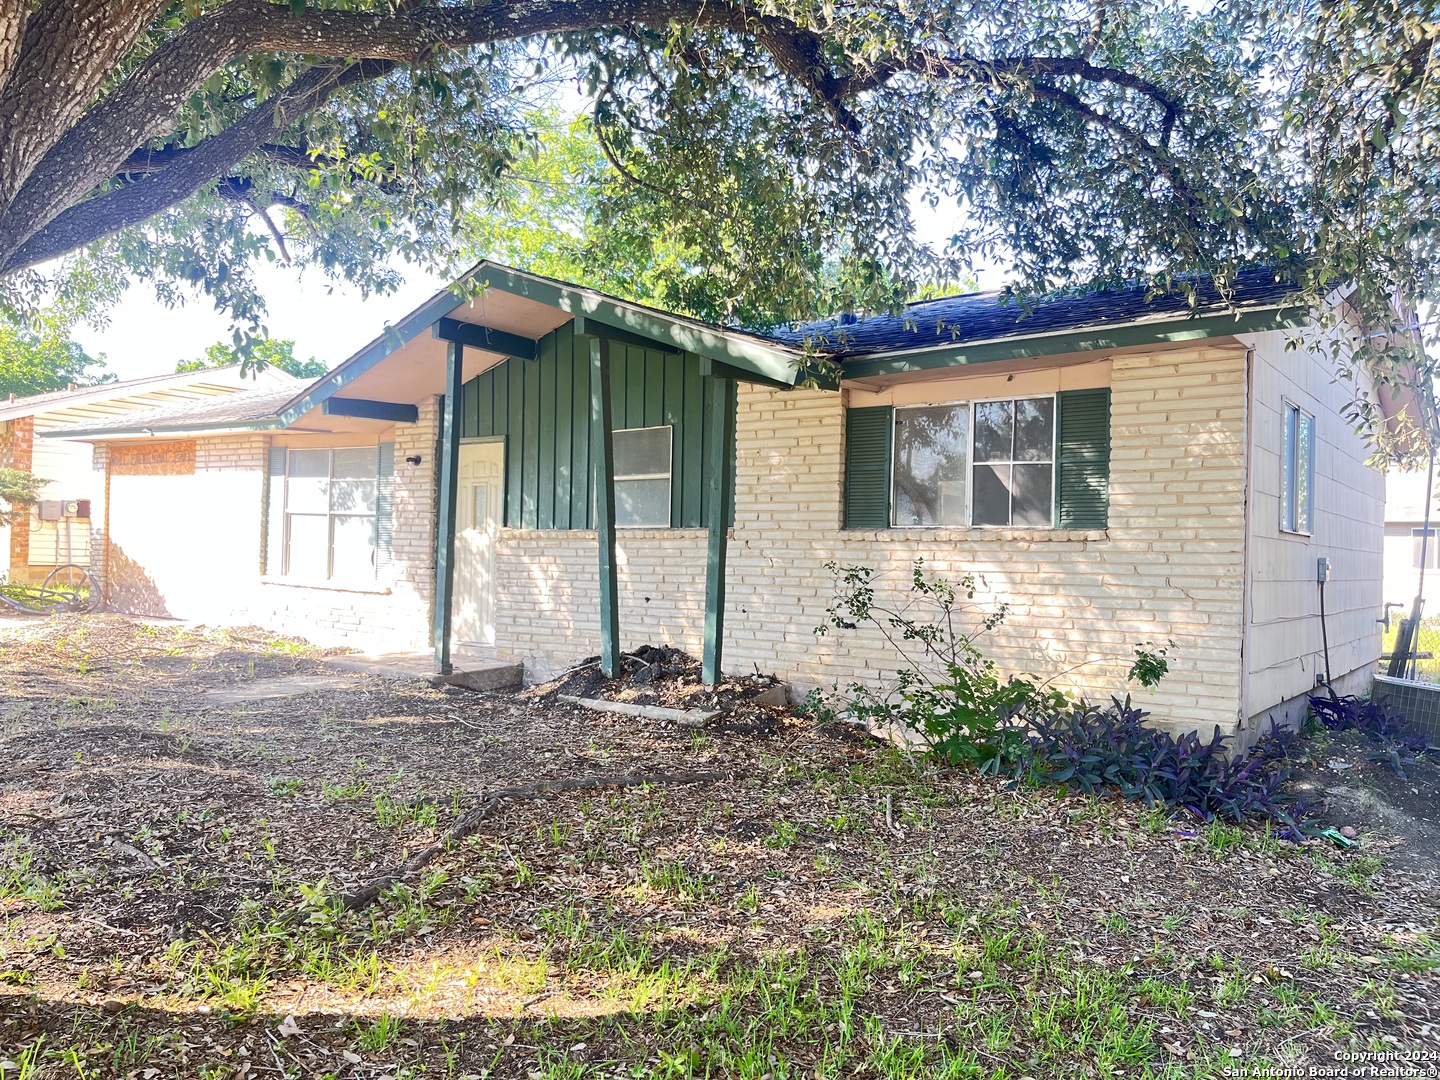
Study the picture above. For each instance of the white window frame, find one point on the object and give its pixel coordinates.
(969, 405)
(1289, 512)
(330, 514)
(668, 476)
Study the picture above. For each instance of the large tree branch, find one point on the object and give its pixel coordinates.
(68, 51)
(14, 15)
(121, 208)
(144, 106)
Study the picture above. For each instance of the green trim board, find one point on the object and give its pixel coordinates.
(393, 338)
(542, 409)
(748, 352)
(1099, 339)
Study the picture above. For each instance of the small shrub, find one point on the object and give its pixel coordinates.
(1021, 728)
(1399, 743)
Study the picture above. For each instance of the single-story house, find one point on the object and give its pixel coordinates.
(547, 472)
(56, 530)
(1408, 546)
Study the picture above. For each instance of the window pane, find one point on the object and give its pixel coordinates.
(308, 488)
(309, 463)
(1034, 429)
(1428, 557)
(930, 448)
(1287, 470)
(992, 495)
(642, 452)
(642, 503)
(354, 546)
(352, 495)
(361, 463)
(308, 555)
(1304, 470)
(994, 430)
(1032, 493)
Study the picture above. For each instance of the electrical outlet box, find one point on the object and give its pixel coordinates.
(1322, 570)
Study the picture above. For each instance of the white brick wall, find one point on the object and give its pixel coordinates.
(190, 546)
(1168, 567)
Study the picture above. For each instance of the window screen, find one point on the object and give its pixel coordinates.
(642, 477)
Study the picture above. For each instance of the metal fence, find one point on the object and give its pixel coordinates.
(1427, 651)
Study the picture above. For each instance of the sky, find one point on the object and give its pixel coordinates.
(325, 320)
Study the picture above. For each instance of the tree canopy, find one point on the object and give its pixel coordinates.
(270, 352)
(747, 160)
(35, 359)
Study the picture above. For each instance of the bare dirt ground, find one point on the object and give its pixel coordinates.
(180, 811)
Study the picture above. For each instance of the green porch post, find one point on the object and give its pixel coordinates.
(721, 496)
(445, 497)
(602, 458)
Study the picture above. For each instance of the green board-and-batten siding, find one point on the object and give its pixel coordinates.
(542, 409)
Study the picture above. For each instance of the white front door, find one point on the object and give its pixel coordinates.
(478, 513)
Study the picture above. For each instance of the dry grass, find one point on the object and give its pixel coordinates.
(169, 866)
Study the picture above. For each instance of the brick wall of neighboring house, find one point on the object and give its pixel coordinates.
(19, 453)
(1168, 567)
(190, 547)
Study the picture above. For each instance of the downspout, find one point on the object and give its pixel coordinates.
(1248, 524)
(105, 571)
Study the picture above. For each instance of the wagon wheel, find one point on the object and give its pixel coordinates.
(73, 586)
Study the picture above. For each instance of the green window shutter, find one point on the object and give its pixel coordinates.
(272, 554)
(385, 507)
(1082, 466)
(867, 467)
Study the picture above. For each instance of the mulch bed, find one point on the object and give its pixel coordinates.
(168, 868)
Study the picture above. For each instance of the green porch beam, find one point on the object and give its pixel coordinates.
(602, 458)
(445, 497)
(722, 502)
(486, 338)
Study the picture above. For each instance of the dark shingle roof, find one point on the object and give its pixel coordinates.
(241, 407)
(974, 317)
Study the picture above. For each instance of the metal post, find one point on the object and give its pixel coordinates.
(721, 500)
(445, 503)
(602, 458)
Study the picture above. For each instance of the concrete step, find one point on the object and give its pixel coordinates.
(470, 672)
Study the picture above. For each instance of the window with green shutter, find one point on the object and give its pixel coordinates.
(1082, 466)
(867, 467)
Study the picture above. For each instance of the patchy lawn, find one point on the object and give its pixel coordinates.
(179, 811)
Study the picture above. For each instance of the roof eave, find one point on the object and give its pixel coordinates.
(768, 362)
(219, 427)
(1156, 331)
